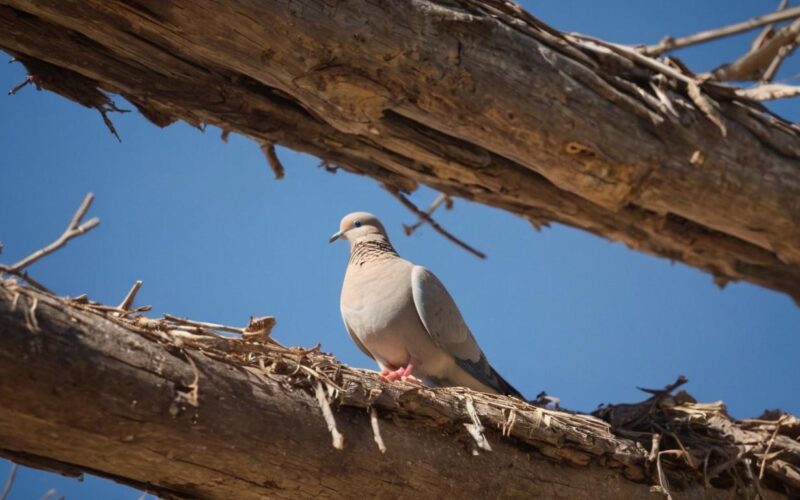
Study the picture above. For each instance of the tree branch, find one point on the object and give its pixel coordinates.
(669, 43)
(221, 417)
(435, 225)
(74, 230)
(441, 198)
(556, 129)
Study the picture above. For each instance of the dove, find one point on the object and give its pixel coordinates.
(401, 315)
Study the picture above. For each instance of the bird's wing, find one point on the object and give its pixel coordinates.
(444, 323)
(355, 338)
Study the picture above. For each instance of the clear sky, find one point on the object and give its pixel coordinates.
(215, 238)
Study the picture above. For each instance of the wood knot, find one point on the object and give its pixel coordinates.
(578, 149)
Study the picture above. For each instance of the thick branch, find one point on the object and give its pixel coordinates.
(481, 101)
(129, 400)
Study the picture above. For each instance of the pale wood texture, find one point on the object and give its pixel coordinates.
(200, 416)
(475, 98)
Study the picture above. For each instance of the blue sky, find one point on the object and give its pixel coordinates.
(214, 237)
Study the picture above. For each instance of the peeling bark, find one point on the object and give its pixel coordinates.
(475, 98)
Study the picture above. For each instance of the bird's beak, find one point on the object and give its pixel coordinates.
(336, 236)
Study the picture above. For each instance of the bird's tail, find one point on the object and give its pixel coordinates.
(506, 388)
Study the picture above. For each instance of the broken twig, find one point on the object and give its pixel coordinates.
(275, 164)
(442, 198)
(27, 81)
(203, 324)
(324, 405)
(127, 302)
(435, 225)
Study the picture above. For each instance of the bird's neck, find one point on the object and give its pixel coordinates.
(369, 248)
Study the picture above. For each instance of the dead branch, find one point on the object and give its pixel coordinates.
(74, 230)
(775, 64)
(161, 417)
(669, 43)
(754, 64)
(769, 92)
(390, 121)
(27, 81)
(435, 225)
(768, 30)
(441, 198)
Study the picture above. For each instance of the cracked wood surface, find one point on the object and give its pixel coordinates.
(83, 392)
(475, 98)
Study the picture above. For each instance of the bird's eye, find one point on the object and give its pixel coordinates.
(357, 223)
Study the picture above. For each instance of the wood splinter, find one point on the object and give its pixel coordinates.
(475, 428)
(376, 429)
(275, 164)
(324, 405)
(127, 302)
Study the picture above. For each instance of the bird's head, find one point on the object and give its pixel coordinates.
(359, 225)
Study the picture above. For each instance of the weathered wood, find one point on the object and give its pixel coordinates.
(81, 392)
(84, 392)
(474, 98)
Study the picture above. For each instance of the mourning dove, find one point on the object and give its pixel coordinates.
(401, 315)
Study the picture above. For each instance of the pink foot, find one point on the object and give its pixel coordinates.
(403, 373)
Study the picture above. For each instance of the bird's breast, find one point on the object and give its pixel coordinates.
(378, 306)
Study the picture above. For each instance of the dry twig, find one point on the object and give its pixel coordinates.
(669, 43)
(754, 64)
(769, 447)
(435, 225)
(769, 92)
(127, 302)
(9, 482)
(768, 30)
(27, 81)
(203, 324)
(442, 198)
(74, 229)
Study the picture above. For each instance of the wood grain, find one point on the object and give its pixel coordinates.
(475, 98)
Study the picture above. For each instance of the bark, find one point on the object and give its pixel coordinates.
(185, 413)
(475, 98)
